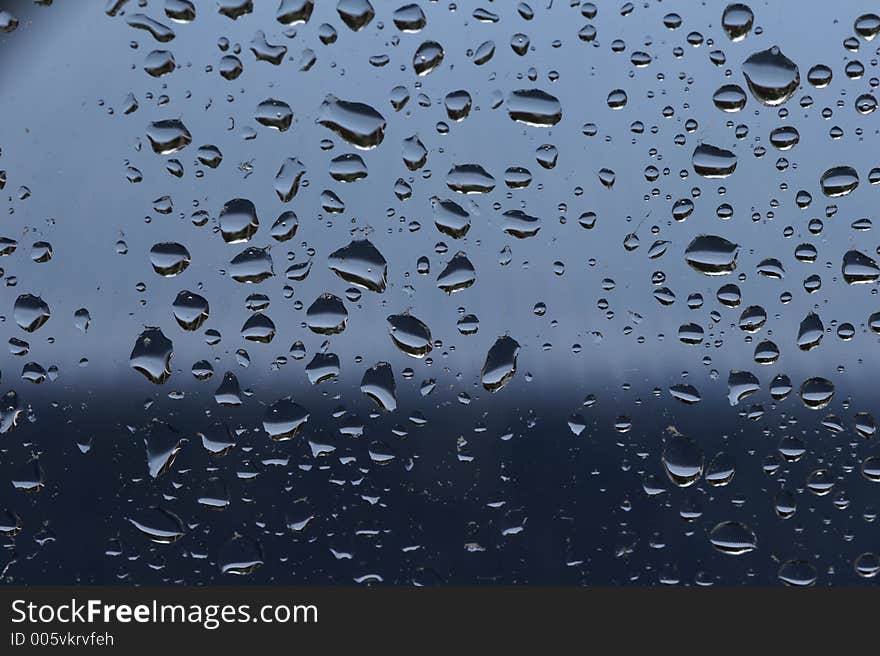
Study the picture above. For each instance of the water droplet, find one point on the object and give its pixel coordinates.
(712, 255)
(190, 310)
(457, 275)
(713, 162)
(797, 573)
(733, 538)
(360, 263)
(816, 393)
(252, 265)
(730, 98)
(858, 268)
(168, 136)
(357, 123)
(169, 258)
(238, 221)
(159, 525)
(737, 21)
(410, 334)
(772, 77)
(839, 181)
(378, 384)
(427, 57)
(284, 419)
(470, 179)
(151, 355)
(292, 12)
(240, 555)
(682, 460)
(500, 365)
(327, 315)
(534, 107)
(274, 114)
(355, 13)
(30, 312)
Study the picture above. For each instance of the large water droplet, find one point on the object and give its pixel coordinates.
(839, 181)
(378, 384)
(410, 334)
(534, 107)
(238, 221)
(284, 419)
(713, 162)
(168, 136)
(500, 365)
(151, 355)
(711, 255)
(30, 312)
(737, 21)
(360, 263)
(357, 123)
(772, 77)
(733, 538)
(682, 460)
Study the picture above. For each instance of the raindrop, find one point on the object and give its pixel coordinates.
(410, 335)
(357, 123)
(30, 312)
(534, 107)
(151, 355)
(238, 221)
(169, 258)
(772, 77)
(284, 419)
(378, 384)
(737, 21)
(682, 460)
(360, 263)
(500, 365)
(839, 181)
(816, 393)
(712, 255)
(168, 136)
(733, 538)
(713, 162)
(190, 310)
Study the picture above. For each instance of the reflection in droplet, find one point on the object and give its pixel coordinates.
(240, 555)
(737, 21)
(327, 315)
(360, 263)
(151, 355)
(378, 384)
(733, 538)
(357, 123)
(713, 162)
(30, 312)
(816, 393)
(238, 221)
(410, 334)
(712, 255)
(169, 258)
(159, 525)
(284, 419)
(858, 268)
(500, 365)
(772, 77)
(168, 136)
(190, 310)
(534, 107)
(797, 573)
(839, 181)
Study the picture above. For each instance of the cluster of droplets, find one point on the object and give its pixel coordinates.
(474, 203)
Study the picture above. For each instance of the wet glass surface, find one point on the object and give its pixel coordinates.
(476, 292)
